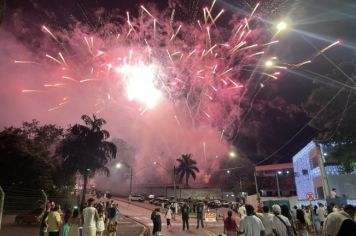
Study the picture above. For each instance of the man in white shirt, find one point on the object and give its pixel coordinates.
(280, 224)
(333, 193)
(251, 225)
(90, 216)
(266, 219)
(321, 212)
(242, 211)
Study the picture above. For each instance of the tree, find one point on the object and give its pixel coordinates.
(85, 149)
(186, 168)
(27, 158)
(336, 123)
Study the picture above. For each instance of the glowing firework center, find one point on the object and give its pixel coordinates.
(140, 83)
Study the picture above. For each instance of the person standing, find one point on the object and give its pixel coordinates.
(333, 193)
(54, 222)
(242, 210)
(286, 212)
(74, 223)
(185, 216)
(301, 224)
(200, 213)
(320, 211)
(90, 216)
(266, 219)
(157, 222)
(316, 220)
(341, 223)
(230, 225)
(251, 225)
(280, 224)
(113, 219)
(43, 219)
(100, 225)
(308, 218)
(65, 228)
(169, 214)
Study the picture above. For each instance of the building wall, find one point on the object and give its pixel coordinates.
(302, 171)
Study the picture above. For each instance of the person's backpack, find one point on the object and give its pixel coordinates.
(112, 212)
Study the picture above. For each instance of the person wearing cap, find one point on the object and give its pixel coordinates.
(280, 224)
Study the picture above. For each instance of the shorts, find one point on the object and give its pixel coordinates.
(168, 221)
(89, 231)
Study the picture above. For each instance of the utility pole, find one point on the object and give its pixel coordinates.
(131, 177)
(174, 183)
(277, 180)
(1, 204)
(324, 177)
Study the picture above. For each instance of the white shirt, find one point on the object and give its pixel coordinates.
(169, 214)
(242, 211)
(251, 226)
(278, 225)
(333, 194)
(266, 219)
(320, 211)
(89, 217)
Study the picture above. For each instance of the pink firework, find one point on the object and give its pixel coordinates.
(202, 68)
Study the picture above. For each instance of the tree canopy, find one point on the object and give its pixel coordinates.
(85, 149)
(332, 109)
(187, 168)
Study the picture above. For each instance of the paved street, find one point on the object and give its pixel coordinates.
(126, 227)
(142, 212)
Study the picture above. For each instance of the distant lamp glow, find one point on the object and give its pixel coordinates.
(325, 154)
(118, 165)
(281, 26)
(228, 171)
(155, 163)
(269, 63)
(232, 154)
(279, 172)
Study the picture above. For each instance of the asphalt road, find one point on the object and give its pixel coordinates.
(142, 212)
(126, 227)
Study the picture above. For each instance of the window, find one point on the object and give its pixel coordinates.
(305, 172)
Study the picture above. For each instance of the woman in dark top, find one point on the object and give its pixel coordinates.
(286, 212)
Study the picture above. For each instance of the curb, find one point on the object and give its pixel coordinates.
(146, 229)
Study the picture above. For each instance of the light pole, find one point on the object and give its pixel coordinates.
(118, 166)
(277, 181)
(174, 177)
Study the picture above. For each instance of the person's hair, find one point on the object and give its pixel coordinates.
(90, 201)
(295, 207)
(67, 215)
(157, 210)
(265, 209)
(276, 209)
(249, 209)
(100, 211)
(229, 215)
(349, 208)
(75, 213)
(300, 216)
(55, 208)
(285, 211)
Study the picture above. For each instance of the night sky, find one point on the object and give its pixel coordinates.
(315, 24)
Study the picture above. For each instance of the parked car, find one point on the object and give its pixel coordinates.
(29, 217)
(138, 198)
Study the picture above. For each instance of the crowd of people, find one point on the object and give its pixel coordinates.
(93, 220)
(281, 221)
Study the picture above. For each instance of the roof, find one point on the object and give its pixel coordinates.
(279, 166)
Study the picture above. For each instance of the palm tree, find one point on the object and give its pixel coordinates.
(85, 149)
(187, 167)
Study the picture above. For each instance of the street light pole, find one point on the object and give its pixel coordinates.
(174, 183)
(277, 180)
(131, 177)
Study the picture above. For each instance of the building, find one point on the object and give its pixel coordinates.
(314, 174)
(270, 178)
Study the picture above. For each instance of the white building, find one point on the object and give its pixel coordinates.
(308, 164)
